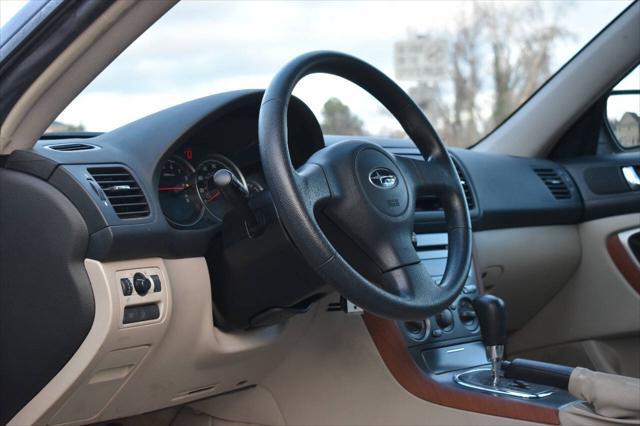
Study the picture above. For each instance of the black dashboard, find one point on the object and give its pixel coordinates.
(187, 191)
(146, 189)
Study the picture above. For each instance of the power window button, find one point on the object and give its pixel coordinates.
(157, 285)
(127, 286)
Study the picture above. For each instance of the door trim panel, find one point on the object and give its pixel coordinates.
(623, 257)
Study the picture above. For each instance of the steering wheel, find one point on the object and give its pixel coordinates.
(368, 193)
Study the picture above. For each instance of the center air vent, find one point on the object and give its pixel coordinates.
(122, 191)
(465, 186)
(69, 147)
(554, 182)
(432, 203)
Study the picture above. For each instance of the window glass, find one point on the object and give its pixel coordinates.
(8, 9)
(467, 64)
(623, 111)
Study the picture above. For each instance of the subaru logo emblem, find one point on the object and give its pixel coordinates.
(383, 178)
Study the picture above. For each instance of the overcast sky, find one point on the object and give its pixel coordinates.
(204, 47)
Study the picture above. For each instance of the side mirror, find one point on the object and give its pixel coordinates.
(623, 111)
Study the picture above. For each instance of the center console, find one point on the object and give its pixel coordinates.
(445, 359)
(449, 340)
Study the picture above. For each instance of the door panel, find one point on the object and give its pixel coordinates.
(597, 311)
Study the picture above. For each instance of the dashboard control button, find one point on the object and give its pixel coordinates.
(417, 330)
(140, 313)
(467, 314)
(436, 333)
(127, 287)
(445, 320)
(157, 285)
(141, 283)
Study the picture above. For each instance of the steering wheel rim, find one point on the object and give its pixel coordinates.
(335, 176)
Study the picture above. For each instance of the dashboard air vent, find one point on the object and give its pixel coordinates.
(122, 191)
(429, 203)
(554, 182)
(70, 147)
(465, 186)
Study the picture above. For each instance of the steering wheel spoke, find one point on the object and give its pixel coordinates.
(312, 181)
(430, 177)
(437, 176)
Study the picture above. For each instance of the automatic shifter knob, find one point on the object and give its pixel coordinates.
(493, 326)
(493, 322)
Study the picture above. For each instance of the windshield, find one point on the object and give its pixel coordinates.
(468, 65)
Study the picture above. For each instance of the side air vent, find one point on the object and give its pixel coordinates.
(465, 186)
(554, 182)
(70, 147)
(122, 191)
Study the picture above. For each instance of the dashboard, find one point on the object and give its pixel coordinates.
(172, 157)
(187, 191)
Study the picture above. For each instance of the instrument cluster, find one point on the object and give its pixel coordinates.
(189, 196)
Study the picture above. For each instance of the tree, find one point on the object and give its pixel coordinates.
(498, 56)
(516, 75)
(338, 119)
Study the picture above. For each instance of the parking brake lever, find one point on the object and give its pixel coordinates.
(493, 326)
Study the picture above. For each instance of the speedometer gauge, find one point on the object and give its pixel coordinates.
(208, 190)
(178, 196)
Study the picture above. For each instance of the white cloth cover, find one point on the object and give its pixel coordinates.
(610, 395)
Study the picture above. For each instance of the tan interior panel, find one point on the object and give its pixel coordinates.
(319, 368)
(123, 370)
(596, 303)
(334, 375)
(526, 266)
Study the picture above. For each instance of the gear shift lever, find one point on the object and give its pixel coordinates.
(493, 326)
(491, 315)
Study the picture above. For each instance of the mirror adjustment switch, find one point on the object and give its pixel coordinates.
(127, 286)
(157, 284)
(141, 283)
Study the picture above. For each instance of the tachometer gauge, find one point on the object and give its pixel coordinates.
(178, 195)
(207, 189)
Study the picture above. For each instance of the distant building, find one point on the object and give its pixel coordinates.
(628, 130)
(421, 58)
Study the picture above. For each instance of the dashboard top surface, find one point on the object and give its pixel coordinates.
(504, 191)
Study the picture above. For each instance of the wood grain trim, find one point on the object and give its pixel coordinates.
(387, 338)
(623, 262)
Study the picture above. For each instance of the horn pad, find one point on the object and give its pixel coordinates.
(382, 182)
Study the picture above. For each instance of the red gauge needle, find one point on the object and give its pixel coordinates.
(213, 196)
(173, 188)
